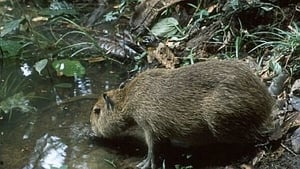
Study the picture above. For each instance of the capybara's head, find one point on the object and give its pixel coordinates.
(106, 120)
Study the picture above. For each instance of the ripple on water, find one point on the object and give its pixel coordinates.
(49, 152)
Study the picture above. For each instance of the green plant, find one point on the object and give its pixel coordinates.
(17, 101)
(10, 85)
(283, 47)
(114, 15)
(12, 97)
(280, 41)
(189, 59)
(111, 163)
(139, 61)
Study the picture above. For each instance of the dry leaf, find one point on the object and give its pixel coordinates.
(163, 55)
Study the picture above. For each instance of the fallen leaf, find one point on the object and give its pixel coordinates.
(163, 55)
(40, 65)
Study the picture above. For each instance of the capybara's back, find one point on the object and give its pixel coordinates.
(219, 101)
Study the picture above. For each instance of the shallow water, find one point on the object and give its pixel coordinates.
(58, 135)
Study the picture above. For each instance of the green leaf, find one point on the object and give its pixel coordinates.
(11, 26)
(68, 67)
(40, 65)
(267, 8)
(63, 85)
(60, 12)
(201, 14)
(166, 27)
(11, 47)
(275, 66)
(111, 16)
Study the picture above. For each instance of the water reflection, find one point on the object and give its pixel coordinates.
(68, 143)
(25, 68)
(82, 86)
(49, 152)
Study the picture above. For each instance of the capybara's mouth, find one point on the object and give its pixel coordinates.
(92, 132)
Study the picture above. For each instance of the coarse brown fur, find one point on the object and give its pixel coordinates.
(208, 102)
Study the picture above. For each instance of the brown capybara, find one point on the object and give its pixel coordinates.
(208, 102)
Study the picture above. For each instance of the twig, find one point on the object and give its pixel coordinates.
(288, 149)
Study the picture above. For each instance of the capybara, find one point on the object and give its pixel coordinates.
(208, 102)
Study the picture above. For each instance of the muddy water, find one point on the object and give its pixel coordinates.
(59, 135)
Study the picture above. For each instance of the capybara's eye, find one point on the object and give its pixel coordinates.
(97, 111)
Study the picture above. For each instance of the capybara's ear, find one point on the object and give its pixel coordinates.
(109, 102)
(122, 85)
